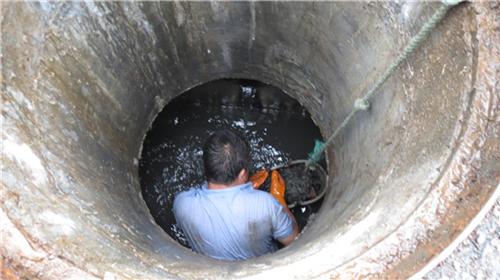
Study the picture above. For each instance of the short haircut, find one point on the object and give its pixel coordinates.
(225, 154)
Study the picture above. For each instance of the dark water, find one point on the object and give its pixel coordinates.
(277, 128)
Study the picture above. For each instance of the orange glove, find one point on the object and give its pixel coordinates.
(259, 178)
(277, 189)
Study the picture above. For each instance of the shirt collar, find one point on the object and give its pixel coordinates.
(225, 190)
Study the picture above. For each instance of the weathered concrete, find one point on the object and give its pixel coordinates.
(477, 257)
(82, 82)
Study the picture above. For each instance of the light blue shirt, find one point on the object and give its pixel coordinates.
(236, 223)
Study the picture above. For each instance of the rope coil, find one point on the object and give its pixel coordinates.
(362, 104)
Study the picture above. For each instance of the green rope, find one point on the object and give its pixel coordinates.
(363, 104)
(316, 154)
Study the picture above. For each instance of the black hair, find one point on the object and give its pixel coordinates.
(225, 154)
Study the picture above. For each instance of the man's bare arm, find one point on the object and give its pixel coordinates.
(287, 240)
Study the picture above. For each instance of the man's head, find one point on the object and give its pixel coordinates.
(225, 157)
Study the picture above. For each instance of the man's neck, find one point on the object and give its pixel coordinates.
(215, 186)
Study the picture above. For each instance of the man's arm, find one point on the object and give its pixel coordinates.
(289, 239)
(277, 190)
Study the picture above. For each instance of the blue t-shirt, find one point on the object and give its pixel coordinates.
(236, 223)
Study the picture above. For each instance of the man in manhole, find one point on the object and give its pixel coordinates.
(227, 218)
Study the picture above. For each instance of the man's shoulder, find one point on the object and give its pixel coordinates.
(262, 196)
(191, 192)
(186, 193)
(184, 197)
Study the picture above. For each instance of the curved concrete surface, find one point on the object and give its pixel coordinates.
(82, 82)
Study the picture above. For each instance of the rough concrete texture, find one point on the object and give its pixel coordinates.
(478, 257)
(82, 82)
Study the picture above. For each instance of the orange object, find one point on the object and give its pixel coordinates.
(277, 189)
(259, 178)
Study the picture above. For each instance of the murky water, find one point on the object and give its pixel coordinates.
(277, 128)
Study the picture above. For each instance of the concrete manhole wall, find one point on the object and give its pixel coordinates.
(82, 82)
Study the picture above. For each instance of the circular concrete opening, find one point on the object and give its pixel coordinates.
(82, 83)
(277, 128)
